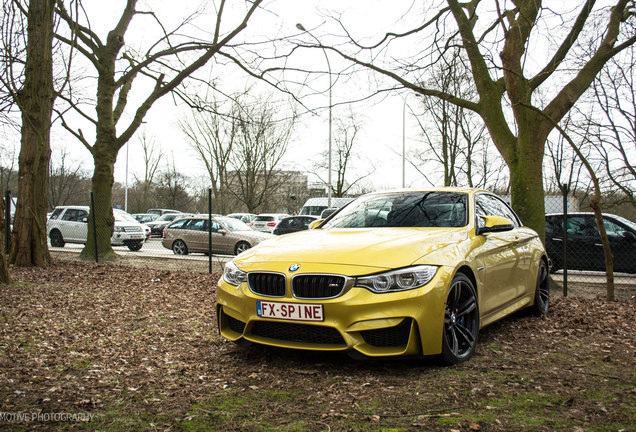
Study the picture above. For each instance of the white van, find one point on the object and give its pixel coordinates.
(315, 206)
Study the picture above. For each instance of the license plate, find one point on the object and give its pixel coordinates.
(290, 311)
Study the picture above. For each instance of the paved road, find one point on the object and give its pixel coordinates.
(152, 249)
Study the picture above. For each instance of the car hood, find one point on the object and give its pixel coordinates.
(381, 248)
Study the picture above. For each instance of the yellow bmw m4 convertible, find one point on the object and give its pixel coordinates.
(409, 272)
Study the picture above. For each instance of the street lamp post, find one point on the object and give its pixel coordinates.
(300, 27)
(404, 142)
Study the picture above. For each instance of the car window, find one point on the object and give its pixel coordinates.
(613, 229)
(264, 218)
(554, 224)
(56, 213)
(75, 215)
(167, 217)
(178, 224)
(582, 225)
(403, 209)
(198, 225)
(490, 205)
(294, 222)
(306, 222)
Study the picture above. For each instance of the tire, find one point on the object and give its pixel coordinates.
(542, 291)
(241, 246)
(179, 247)
(135, 245)
(555, 266)
(461, 321)
(56, 239)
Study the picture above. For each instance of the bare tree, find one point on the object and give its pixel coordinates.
(152, 157)
(13, 30)
(507, 88)
(613, 124)
(67, 180)
(171, 59)
(454, 138)
(261, 142)
(211, 134)
(172, 188)
(346, 157)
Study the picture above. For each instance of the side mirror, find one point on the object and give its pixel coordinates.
(494, 224)
(221, 231)
(314, 224)
(84, 219)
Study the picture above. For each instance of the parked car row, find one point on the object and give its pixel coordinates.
(185, 233)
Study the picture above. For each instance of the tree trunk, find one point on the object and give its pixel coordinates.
(29, 242)
(102, 185)
(5, 278)
(526, 180)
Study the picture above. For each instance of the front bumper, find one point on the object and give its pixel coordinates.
(120, 238)
(389, 324)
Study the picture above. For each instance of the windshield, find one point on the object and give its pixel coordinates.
(312, 210)
(403, 209)
(232, 224)
(627, 222)
(168, 217)
(123, 216)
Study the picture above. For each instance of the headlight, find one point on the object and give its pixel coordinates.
(233, 275)
(398, 280)
(119, 229)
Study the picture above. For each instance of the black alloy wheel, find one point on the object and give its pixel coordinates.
(56, 239)
(461, 321)
(134, 245)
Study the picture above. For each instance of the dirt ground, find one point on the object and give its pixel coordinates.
(113, 347)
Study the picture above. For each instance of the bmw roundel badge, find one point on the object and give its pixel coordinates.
(294, 267)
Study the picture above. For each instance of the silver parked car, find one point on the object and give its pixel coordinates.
(69, 224)
(229, 235)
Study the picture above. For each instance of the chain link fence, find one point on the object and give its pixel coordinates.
(169, 240)
(574, 246)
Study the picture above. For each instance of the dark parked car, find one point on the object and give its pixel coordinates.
(585, 250)
(157, 225)
(292, 224)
